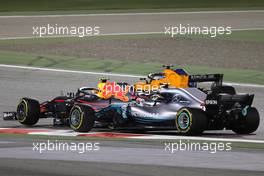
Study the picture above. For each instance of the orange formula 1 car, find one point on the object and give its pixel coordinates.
(177, 78)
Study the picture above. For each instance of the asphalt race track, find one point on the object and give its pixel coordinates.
(114, 157)
(21, 26)
(117, 157)
(125, 158)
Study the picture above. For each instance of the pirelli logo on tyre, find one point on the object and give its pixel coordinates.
(183, 120)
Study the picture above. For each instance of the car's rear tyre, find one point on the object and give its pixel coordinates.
(81, 118)
(249, 123)
(28, 111)
(190, 121)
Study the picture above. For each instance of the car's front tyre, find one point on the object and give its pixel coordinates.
(28, 111)
(81, 118)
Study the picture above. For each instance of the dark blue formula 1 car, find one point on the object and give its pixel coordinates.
(190, 111)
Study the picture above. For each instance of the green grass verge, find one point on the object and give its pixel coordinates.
(150, 142)
(121, 66)
(126, 66)
(66, 5)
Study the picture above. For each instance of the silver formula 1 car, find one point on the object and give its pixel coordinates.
(190, 111)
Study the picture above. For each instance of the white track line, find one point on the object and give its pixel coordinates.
(6, 142)
(134, 14)
(68, 71)
(65, 36)
(248, 29)
(160, 137)
(54, 133)
(103, 73)
(112, 34)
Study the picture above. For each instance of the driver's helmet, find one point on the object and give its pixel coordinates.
(140, 101)
(101, 87)
(102, 83)
(111, 89)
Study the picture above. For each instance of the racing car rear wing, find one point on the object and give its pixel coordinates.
(246, 99)
(216, 78)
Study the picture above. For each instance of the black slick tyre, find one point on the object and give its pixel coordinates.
(28, 111)
(190, 121)
(81, 118)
